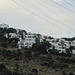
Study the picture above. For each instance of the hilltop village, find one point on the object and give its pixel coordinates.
(21, 39)
(26, 53)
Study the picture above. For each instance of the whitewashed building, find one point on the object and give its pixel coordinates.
(58, 44)
(13, 35)
(61, 45)
(27, 40)
(4, 26)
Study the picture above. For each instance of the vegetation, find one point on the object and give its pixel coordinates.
(23, 62)
(69, 39)
(41, 47)
(33, 61)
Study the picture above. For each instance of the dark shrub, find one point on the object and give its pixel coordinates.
(16, 73)
(64, 73)
(45, 64)
(4, 70)
(2, 66)
(71, 73)
(35, 70)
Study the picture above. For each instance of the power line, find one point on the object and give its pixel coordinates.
(69, 3)
(46, 14)
(36, 14)
(62, 6)
(53, 11)
(49, 9)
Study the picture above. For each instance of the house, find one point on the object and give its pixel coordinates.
(61, 45)
(58, 44)
(27, 41)
(4, 26)
(11, 35)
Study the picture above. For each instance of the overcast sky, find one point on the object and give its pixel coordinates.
(49, 17)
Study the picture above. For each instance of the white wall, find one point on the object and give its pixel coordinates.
(4, 26)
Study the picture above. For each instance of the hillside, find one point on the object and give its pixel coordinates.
(9, 37)
(26, 62)
(41, 58)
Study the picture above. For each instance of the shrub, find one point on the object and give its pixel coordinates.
(2, 66)
(71, 73)
(16, 73)
(45, 64)
(67, 60)
(4, 70)
(64, 73)
(35, 71)
(60, 65)
(28, 54)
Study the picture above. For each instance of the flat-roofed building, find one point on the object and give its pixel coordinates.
(4, 26)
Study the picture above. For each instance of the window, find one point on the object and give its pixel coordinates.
(63, 47)
(30, 39)
(59, 50)
(26, 43)
(22, 43)
(29, 43)
(26, 39)
(29, 36)
(60, 47)
(59, 44)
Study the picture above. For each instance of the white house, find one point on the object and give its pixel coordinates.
(59, 44)
(28, 41)
(4, 26)
(11, 35)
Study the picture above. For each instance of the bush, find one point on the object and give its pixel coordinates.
(28, 54)
(2, 66)
(16, 73)
(64, 73)
(67, 60)
(34, 70)
(71, 73)
(4, 70)
(45, 64)
(60, 65)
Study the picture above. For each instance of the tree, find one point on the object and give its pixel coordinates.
(64, 73)
(71, 73)
(11, 30)
(41, 47)
(21, 32)
(71, 48)
(53, 51)
(35, 71)
(4, 70)
(68, 51)
(28, 54)
(4, 44)
(2, 66)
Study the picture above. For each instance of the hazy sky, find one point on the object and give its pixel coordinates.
(49, 17)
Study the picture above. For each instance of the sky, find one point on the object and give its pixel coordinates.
(54, 18)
